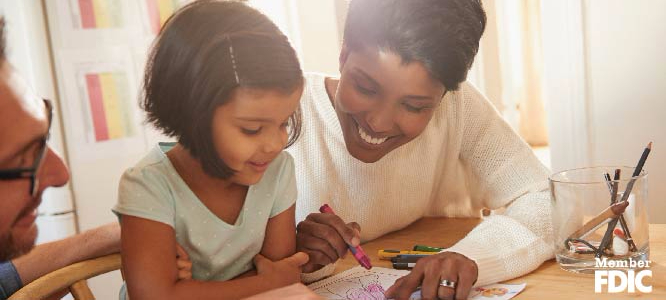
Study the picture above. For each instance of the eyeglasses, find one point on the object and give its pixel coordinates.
(31, 172)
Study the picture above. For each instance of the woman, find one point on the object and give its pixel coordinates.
(401, 135)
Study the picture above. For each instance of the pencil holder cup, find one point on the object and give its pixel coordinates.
(583, 220)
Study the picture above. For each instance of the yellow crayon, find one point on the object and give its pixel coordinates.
(387, 254)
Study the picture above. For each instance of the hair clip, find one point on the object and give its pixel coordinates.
(233, 59)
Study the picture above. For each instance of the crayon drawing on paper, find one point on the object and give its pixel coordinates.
(358, 283)
(361, 284)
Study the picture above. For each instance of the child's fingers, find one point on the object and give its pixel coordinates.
(181, 253)
(183, 264)
(260, 261)
(184, 275)
(298, 259)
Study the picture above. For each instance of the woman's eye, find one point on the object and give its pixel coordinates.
(250, 131)
(414, 109)
(365, 91)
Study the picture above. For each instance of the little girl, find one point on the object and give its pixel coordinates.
(226, 84)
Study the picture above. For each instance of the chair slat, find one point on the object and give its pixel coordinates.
(81, 291)
(68, 276)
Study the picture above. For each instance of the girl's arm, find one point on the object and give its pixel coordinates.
(149, 261)
(280, 240)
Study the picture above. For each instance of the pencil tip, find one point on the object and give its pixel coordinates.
(649, 145)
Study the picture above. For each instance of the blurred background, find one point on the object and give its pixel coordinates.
(582, 81)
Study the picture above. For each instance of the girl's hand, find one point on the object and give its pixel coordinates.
(183, 263)
(324, 237)
(282, 272)
(429, 273)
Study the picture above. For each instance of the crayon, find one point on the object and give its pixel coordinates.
(427, 248)
(403, 266)
(357, 251)
(387, 254)
(407, 258)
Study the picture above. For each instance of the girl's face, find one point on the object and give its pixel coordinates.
(383, 103)
(250, 130)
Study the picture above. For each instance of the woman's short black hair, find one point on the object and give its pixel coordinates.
(442, 34)
(203, 52)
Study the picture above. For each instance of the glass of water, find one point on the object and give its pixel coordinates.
(578, 196)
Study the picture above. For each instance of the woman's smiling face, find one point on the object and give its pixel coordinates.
(382, 102)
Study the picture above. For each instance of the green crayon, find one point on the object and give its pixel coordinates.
(427, 248)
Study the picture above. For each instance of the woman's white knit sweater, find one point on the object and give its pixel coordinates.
(467, 159)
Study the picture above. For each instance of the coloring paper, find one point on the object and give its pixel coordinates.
(359, 283)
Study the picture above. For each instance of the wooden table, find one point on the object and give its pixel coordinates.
(546, 282)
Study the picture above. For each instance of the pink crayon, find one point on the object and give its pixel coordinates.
(357, 251)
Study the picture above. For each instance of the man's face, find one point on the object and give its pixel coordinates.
(23, 127)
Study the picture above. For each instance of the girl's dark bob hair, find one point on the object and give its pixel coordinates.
(204, 51)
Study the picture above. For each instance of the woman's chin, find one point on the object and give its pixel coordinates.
(364, 155)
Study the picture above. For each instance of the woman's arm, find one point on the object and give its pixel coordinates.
(502, 173)
(149, 260)
(506, 174)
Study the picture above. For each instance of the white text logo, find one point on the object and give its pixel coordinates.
(619, 281)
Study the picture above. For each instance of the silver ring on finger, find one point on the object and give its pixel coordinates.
(448, 283)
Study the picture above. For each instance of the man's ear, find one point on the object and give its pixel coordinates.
(344, 54)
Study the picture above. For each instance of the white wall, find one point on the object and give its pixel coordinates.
(319, 36)
(312, 27)
(626, 71)
(605, 80)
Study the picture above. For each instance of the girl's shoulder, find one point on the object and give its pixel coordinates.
(279, 174)
(281, 166)
(154, 166)
(277, 188)
(149, 189)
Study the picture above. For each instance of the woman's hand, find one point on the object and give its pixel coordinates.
(430, 271)
(283, 272)
(324, 237)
